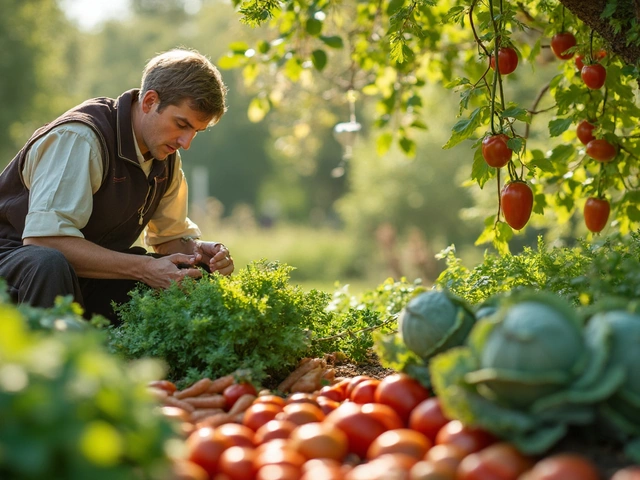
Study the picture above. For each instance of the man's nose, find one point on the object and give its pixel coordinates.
(185, 140)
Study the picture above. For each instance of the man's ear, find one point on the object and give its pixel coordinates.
(149, 99)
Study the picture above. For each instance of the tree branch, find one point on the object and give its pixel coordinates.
(590, 14)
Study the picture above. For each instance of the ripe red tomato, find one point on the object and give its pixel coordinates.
(205, 446)
(427, 418)
(384, 414)
(301, 413)
(596, 213)
(495, 150)
(426, 470)
(237, 463)
(361, 429)
(274, 429)
(235, 391)
(353, 382)
(593, 75)
(319, 440)
(468, 439)
(601, 150)
(507, 60)
(240, 435)
(402, 440)
(561, 42)
(364, 391)
(580, 58)
(334, 392)
(402, 393)
(627, 473)
(260, 413)
(564, 467)
(517, 203)
(500, 461)
(584, 131)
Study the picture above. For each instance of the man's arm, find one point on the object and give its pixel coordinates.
(93, 261)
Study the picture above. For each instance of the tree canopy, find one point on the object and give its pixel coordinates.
(581, 56)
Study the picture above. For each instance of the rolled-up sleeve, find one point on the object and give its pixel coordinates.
(170, 220)
(62, 171)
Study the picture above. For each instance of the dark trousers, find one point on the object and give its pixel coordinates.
(37, 275)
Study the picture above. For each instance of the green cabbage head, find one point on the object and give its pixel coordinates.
(433, 322)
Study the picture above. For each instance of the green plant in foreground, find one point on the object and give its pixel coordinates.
(69, 409)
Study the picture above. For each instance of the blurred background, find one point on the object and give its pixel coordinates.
(271, 185)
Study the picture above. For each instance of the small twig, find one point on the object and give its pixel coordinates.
(533, 111)
(363, 330)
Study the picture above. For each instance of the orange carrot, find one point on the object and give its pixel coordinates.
(165, 385)
(219, 384)
(215, 420)
(174, 402)
(207, 401)
(242, 404)
(202, 413)
(198, 388)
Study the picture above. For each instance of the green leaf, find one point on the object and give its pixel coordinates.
(455, 14)
(481, 172)
(293, 69)
(383, 143)
(541, 162)
(504, 233)
(258, 109)
(488, 234)
(559, 125)
(562, 154)
(518, 113)
(263, 46)
(319, 58)
(463, 129)
(334, 41)
(313, 27)
(408, 146)
(239, 47)
(230, 61)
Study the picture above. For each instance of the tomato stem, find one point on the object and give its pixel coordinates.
(499, 199)
(599, 181)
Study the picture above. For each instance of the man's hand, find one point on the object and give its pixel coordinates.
(216, 255)
(160, 272)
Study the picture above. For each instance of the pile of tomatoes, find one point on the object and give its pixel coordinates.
(362, 428)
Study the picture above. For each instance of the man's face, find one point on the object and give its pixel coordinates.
(162, 133)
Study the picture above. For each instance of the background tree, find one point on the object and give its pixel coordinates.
(37, 64)
(390, 50)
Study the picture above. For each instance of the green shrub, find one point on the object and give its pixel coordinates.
(213, 326)
(583, 274)
(70, 410)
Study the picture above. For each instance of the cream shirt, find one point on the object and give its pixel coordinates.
(62, 184)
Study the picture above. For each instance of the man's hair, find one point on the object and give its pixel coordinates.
(179, 75)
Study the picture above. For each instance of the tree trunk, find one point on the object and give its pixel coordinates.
(589, 12)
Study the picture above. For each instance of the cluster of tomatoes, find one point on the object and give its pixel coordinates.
(362, 428)
(517, 197)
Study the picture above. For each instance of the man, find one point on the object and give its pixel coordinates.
(84, 188)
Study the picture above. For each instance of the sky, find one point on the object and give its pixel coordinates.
(91, 13)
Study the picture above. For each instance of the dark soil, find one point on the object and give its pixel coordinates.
(605, 453)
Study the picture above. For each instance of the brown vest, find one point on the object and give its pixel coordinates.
(125, 201)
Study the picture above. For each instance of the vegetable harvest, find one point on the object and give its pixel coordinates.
(527, 373)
